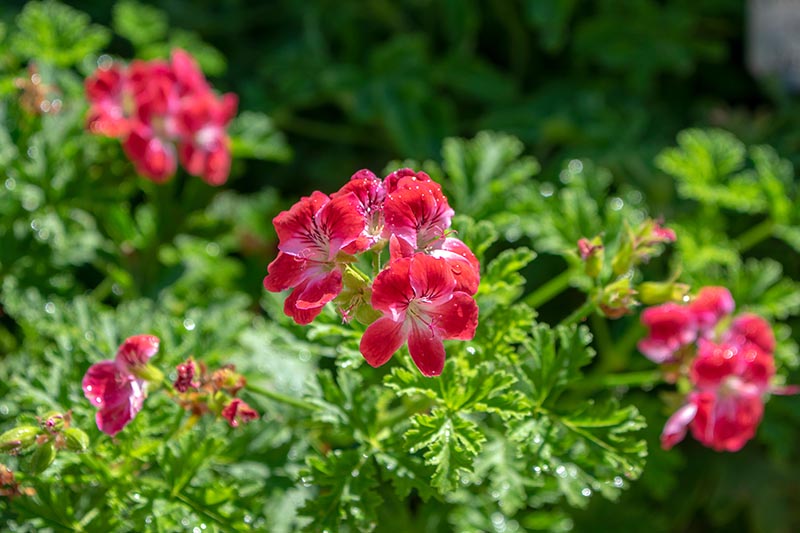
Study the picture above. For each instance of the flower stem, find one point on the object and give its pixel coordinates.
(549, 290)
(755, 235)
(281, 398)
(627, 379)
(580, 313)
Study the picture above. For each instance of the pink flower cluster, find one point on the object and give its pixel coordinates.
(163, 112)
(730, 365)
(422, 296)
(117, 387)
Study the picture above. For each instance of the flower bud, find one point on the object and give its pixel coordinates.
(76, 439)
(52, 421)
(623, 259)
(592, 254)
(617, 299)
(18, 439)
(43, 457)
(659, 292)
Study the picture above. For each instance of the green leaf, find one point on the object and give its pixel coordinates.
(346, 481)
(141, 24)
(552, 358)
(55, 33)
(501, 283)
(451, 443)
(253, 135)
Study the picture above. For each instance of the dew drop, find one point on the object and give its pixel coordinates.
(3, 409)
(561, 471)
(196, 529)
(546, 190)
(31, 152)
(618, 482)
(104, 61)
(189, 324)
(212, 249)
(11, 184)
(88, 388)
(586, 491)
(50, 308)
(471, 350)
(575, 166)
(248, 519)
(617, 203)
(355, 473)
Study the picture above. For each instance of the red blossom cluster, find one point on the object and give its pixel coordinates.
(422, 296)
(201, 392)
(729, 363)
(163, 112)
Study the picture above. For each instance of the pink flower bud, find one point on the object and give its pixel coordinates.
(237, 411)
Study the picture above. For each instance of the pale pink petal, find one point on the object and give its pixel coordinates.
(677, 425)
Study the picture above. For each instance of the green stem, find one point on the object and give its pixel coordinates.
(755, 235)
(609, 357)
(549, 290)
(580, 313)
(281, 398)
(627, 379)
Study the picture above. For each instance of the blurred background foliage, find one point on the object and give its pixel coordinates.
(589, 95)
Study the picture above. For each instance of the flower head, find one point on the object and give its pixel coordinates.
(115, 386)
(420, 304)
(312, 234)
(163, 111)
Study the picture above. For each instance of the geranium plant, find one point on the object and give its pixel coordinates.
(190, 354)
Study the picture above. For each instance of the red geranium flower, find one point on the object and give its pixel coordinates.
(418, 298)
(114, 387)
(312, 234)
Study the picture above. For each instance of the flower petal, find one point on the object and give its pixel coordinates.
(427, 351)
(294, 226)
(456, 319)
(340, 221)
(285, 271)
(101, 380)
(137, 350)
(381, 340)
(391, 290)
(465, 266)
(301, 316)
(677, 425)
(319, 291)
(431, 278)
